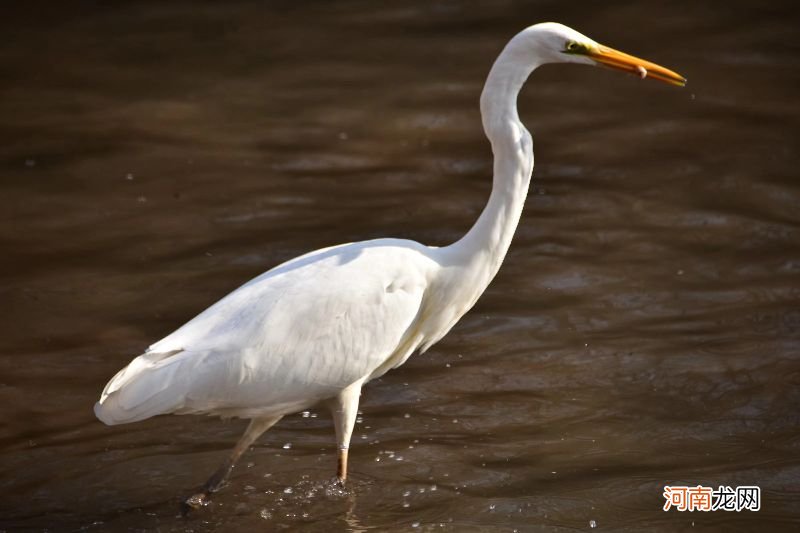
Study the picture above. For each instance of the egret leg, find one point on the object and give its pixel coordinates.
(255, 429)
(344, 409)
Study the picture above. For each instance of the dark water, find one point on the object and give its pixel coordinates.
(644, 329)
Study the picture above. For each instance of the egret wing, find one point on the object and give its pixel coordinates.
(293, 336)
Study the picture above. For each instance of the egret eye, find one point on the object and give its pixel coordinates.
(574, 47)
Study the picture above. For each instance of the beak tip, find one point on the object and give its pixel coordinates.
(627, 63)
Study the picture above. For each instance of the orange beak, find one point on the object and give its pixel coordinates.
(628, 63)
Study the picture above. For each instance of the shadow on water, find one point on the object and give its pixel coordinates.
(643, 331)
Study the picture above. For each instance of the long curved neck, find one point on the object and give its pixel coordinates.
(482, 249)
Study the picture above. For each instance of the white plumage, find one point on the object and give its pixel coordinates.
(316, 328)
(269, 349)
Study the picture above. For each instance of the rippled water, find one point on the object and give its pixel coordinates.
(644, 329)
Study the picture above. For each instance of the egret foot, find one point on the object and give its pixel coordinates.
(254, 430)
(195, 502)
(203, 498)
(336, 488)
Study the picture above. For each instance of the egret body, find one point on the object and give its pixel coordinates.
(315, 329)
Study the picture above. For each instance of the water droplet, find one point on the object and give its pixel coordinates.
(287, 446)
(432, 488)
(592, 524)
(288, 490)
(491, 507)
(406, 415)
(406, 493)
(406, 504)
(305, 414)
(415, 524)
(266, 515)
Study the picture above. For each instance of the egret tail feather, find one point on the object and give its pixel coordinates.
(150, 385)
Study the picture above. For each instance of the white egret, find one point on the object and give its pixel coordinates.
(315, 329)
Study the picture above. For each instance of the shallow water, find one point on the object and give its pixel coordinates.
(644, 329)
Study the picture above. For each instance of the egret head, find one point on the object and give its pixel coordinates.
(556, 43)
